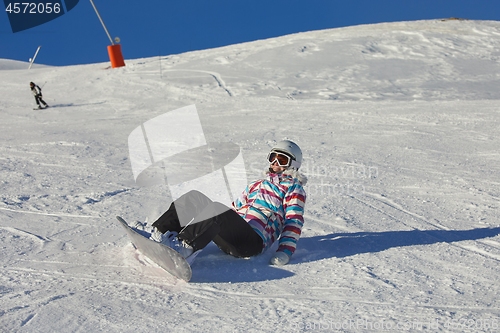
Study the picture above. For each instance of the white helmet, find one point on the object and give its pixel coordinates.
(290, 148)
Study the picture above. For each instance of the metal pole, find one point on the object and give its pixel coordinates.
(33, 60)
(102, 22)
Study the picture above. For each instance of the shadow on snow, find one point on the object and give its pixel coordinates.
(73, 104)
(212, 265)
(340, 245)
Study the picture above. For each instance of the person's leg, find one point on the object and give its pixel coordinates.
(203, 221)
(194, 217)
(182, 211)
(204, 227)
(236, 237)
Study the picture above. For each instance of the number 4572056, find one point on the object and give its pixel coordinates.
(33, 8)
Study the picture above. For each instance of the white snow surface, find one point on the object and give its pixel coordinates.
(399, 125)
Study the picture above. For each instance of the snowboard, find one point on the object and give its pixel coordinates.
(164, 256)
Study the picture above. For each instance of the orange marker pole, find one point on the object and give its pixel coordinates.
(114, 51)
(115, 55)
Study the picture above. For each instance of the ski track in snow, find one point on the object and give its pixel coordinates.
(399, 124)
(47, 214)
(217, 77)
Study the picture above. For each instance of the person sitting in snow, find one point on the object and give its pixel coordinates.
(269, 209)
(37, 92)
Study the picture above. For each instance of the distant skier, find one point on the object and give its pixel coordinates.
(37, 92)
(269, 209)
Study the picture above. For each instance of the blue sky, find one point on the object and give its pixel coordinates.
(150, 28)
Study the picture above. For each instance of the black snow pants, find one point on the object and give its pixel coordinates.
(199, 220)
(38, 99)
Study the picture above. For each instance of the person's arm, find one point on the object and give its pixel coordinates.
(293, 205)
(242, 199)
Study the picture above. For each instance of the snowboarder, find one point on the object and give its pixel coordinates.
(37, 92)
(269, 209)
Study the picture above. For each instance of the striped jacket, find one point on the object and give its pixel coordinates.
(274, 208)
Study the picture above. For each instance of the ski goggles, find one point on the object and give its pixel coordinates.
(283, 160)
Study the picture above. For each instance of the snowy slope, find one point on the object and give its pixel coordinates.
(399, 124)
